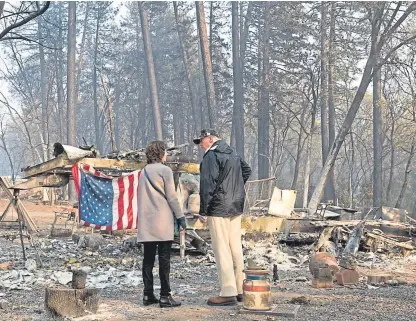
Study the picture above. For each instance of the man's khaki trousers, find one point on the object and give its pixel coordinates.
(226, 244)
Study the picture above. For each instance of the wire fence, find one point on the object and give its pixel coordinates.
(258, 195)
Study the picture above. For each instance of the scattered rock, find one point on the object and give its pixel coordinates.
(4, 305)
(393, 282)
(300, 300)
(91, 241)
(30, 265)
(131, 243)
(301, 279)
(62, 277)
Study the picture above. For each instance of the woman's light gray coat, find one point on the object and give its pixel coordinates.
(155, 212)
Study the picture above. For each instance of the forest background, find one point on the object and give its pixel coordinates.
(320, 95)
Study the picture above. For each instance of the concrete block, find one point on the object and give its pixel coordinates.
(346, 277)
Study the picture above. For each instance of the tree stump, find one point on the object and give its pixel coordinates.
(71, 302)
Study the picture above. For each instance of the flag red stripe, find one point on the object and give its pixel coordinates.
(75, 175)
(130, 207)
(120, 203)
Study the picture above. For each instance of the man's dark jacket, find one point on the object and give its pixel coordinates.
(223, 175)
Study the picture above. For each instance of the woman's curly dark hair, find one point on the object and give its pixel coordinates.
(155, 151)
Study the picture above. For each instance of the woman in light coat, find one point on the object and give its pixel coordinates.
(157, 206)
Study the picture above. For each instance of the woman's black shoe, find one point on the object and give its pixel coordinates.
(168, 302)
(149, 299)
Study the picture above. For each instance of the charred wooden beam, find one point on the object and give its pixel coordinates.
(63, 165)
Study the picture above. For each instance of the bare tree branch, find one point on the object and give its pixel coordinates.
(25, 20)
(389, 32)
(19, 37)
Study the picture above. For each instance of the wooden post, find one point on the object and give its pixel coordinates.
(20, 219)
(182, 243)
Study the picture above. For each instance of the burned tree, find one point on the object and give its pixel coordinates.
(144, 20)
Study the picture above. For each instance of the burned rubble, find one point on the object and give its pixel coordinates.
(114, 265)
(336, 250)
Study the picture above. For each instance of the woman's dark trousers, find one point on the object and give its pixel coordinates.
(163, 251)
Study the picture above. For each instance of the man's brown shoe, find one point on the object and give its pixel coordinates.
(240, 298)
(222, 300)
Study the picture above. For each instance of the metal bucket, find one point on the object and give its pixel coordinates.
(257, 294)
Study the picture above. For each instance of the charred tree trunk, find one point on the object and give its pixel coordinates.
(392, 158)
(244, 25)
(206, 61)
(141, 101)
(407, 171)
(263, 116)
(377, 130)
(211, 24)
(1, 7)
(328, 194)
(109, 106)
(72, 99)
(81, 54)
(244, 35)
(238, 110)
(98, 136)
(43, 89)
(309, 144)
(157, 120)
(59, 79)
(117, 112)
(186, 68)
(300, 145)
(331, 104)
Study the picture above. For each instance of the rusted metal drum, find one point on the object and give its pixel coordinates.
(257, 294)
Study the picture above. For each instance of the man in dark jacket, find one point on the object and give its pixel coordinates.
(223, 175)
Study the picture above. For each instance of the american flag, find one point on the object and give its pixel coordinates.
(106, 203)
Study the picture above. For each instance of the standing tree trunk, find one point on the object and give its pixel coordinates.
(407, 171)
(44, 103)
(43, 85)
(299, 149)
(141, 100)
(328, 194)
(72, 99)
(157, 120)
(82, 51)
(211, 24)
(1, 7)
(108, 104)
(331, 104)
(243, 45)
(98, 136)
(244, 35)
(59, 79)
(377, 130)
(117, 113)
(206, 60)
(263, 114)
(392, 156)
(238, 110)
(186, 67)
(307, 171)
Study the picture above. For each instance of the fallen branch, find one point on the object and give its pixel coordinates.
(401, 226)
